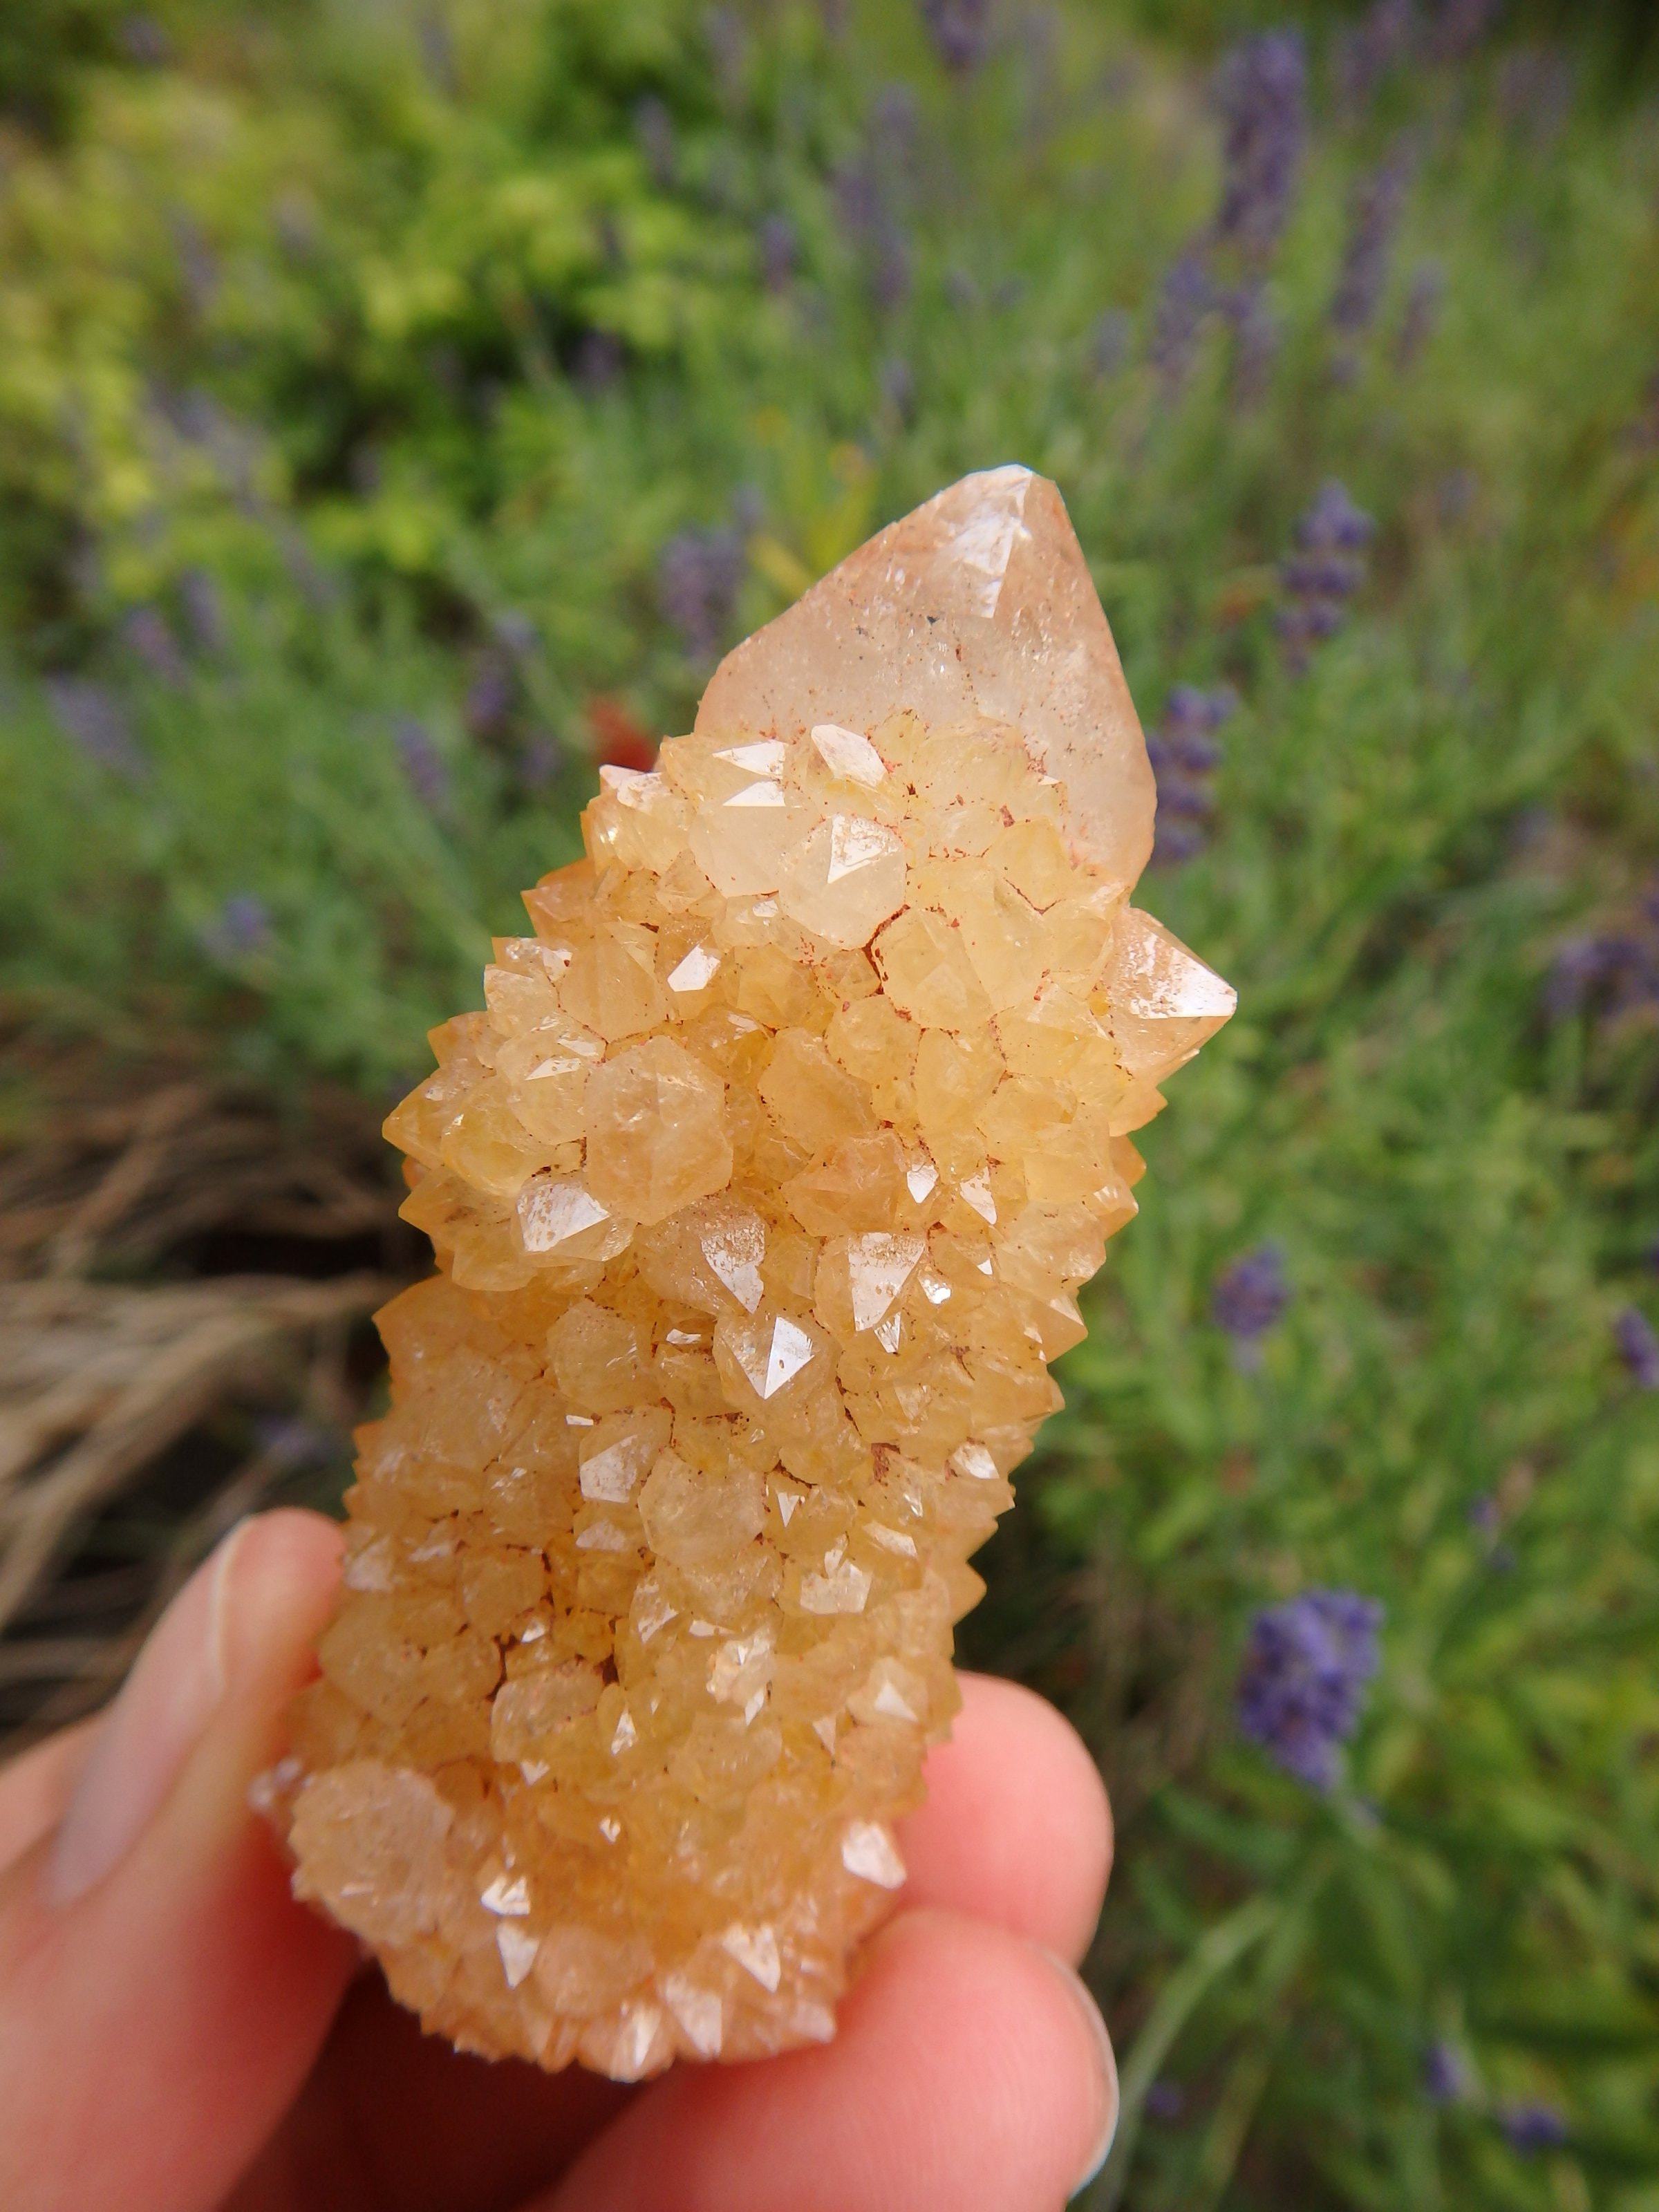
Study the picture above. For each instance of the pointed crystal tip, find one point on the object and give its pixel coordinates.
(978, 605)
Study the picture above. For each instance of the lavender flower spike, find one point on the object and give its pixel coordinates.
(1183, 754)
(1303, 1685)
(1251, 1294)
(1373, 219)
(423, 764)
(960, 31)
(698, 575)
(1262, 93)
(1334, 523)
(1530, 2129)
(240, 929)
(92, 715)
(1638, 1347)
(1325, 572)
(1445, 2074)
(1186, 298)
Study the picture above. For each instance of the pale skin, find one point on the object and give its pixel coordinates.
(177, 2035)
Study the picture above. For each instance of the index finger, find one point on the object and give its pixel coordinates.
(1016, 1829)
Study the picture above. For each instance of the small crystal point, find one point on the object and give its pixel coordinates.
(761, 1187)
(977, 606)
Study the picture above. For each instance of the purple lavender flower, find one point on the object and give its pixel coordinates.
(895, 121)
(438, 54)
(1536, 88)
(779, 251)
(1165, 2101)
(1455, 27)
(897, 382)
(653, 130)
(235, 446)
(491, 694)
(147, 632)
(1109, 342)
(698, 574)
(1334, 523)
(540, 758)
(1250, 1294)
(1325, 572)
(1424, 297)
(1455, 496)
(1183, 755)
(600, 360)
(1371, 51)
(727, 39)
(891, 272)
(861, 200)
(239, 930)
(1041, 32)
(1373, 220)
(1186, 299)
(1177, 841)
(1580, 967)
(1303, 1684)
(423, 764)
(1257, 335)
(1190, 719)
(302, 565)
(960, 31)
(1445, 2075)
(1638, 1347)
(1484, 1514)
(515, 631)
(1183, 796)
(203, 610)
(870, 221)
(144, 43)
(90, 713)
(1262, 93)
(1611, 970)
(1532, 2129)
(198, 264)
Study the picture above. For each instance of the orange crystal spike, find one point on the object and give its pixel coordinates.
(761, 1192)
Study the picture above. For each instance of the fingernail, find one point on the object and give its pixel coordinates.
(1078, 1993)
(160, 1715)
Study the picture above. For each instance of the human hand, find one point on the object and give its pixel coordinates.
(176, 2034)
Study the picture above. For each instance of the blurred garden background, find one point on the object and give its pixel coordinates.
(403, 403)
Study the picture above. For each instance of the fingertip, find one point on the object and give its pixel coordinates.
(274, 1596)
(1017, 1828)
(36, 1786)
(1042, 2054)
(969, 2073)
(151, 1945)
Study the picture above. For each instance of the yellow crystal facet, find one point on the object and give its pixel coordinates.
(761, 1192)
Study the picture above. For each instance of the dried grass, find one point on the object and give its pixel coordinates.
(124, 1393)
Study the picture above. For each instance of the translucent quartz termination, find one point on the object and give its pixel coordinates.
(761, 1192)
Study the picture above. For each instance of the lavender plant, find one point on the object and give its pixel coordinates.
(1302, 1685)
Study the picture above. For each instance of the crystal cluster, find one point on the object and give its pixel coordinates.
(761, 1190)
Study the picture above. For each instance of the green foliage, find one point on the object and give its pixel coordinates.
(354, 359)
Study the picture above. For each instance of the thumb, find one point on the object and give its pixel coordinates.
(162, 1996)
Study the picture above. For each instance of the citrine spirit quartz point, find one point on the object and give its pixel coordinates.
(761, 1192)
